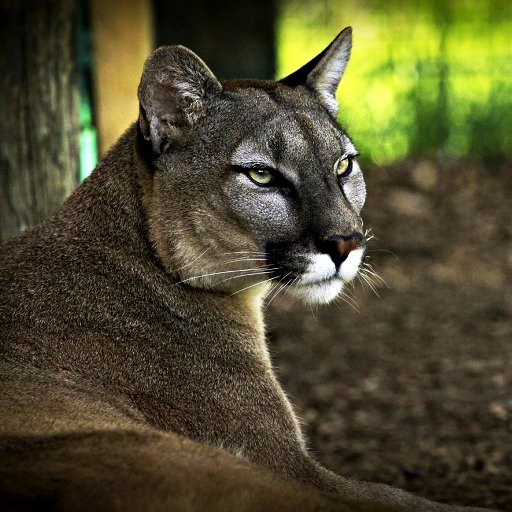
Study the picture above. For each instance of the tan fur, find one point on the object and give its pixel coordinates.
(129, 379)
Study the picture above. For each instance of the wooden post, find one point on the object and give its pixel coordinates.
(38, 110)
(122, 39)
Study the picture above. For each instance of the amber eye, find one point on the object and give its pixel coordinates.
(344, 167)
(261, 176)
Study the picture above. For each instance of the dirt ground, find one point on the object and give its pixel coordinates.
(415, 389)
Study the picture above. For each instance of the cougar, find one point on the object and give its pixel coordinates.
(135, 375)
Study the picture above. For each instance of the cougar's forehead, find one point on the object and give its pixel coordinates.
(290, 134)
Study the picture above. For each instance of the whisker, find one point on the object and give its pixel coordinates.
(384, 250)
(349, 300)
(243, 259)
(296, 283)
(283, 285)
(275, 293)
(287, 290)
(313, 312)
(369, 283)
(369, 269)
(272, 293)
(193, 261)
(251, 286)
(369, 235)
(222, 272)
(247, 275)
(368, 266)
(343, 299)
(361, 282)
(254, 253)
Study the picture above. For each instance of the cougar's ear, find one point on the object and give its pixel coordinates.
(323, 73)
(174, 87)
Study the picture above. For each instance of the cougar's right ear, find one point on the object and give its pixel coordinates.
(323, 73)
(174, 86)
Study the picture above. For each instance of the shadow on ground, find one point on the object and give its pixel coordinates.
(415, 389)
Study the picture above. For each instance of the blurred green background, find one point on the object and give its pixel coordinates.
(427, 77)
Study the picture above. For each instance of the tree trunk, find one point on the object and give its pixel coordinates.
(39, 131)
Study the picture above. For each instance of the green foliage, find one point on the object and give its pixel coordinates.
(427, 77)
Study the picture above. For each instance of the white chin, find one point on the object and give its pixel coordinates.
(318, 293)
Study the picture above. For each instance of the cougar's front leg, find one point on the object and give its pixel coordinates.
(273, 438)
(370, 493)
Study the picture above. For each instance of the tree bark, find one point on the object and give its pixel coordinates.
(39, 132)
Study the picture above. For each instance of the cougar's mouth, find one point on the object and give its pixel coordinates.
(311, 275)
(320, 268)
(318, 282)
(319, 292)
(321, 280)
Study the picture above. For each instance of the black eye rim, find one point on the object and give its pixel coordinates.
(349, 169)
(277, 179)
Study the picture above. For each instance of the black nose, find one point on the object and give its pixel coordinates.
(338, 247)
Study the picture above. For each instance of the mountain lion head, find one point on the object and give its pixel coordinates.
(253, 182)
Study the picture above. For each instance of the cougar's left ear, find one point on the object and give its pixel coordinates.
(173, 90)
(323, 73)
